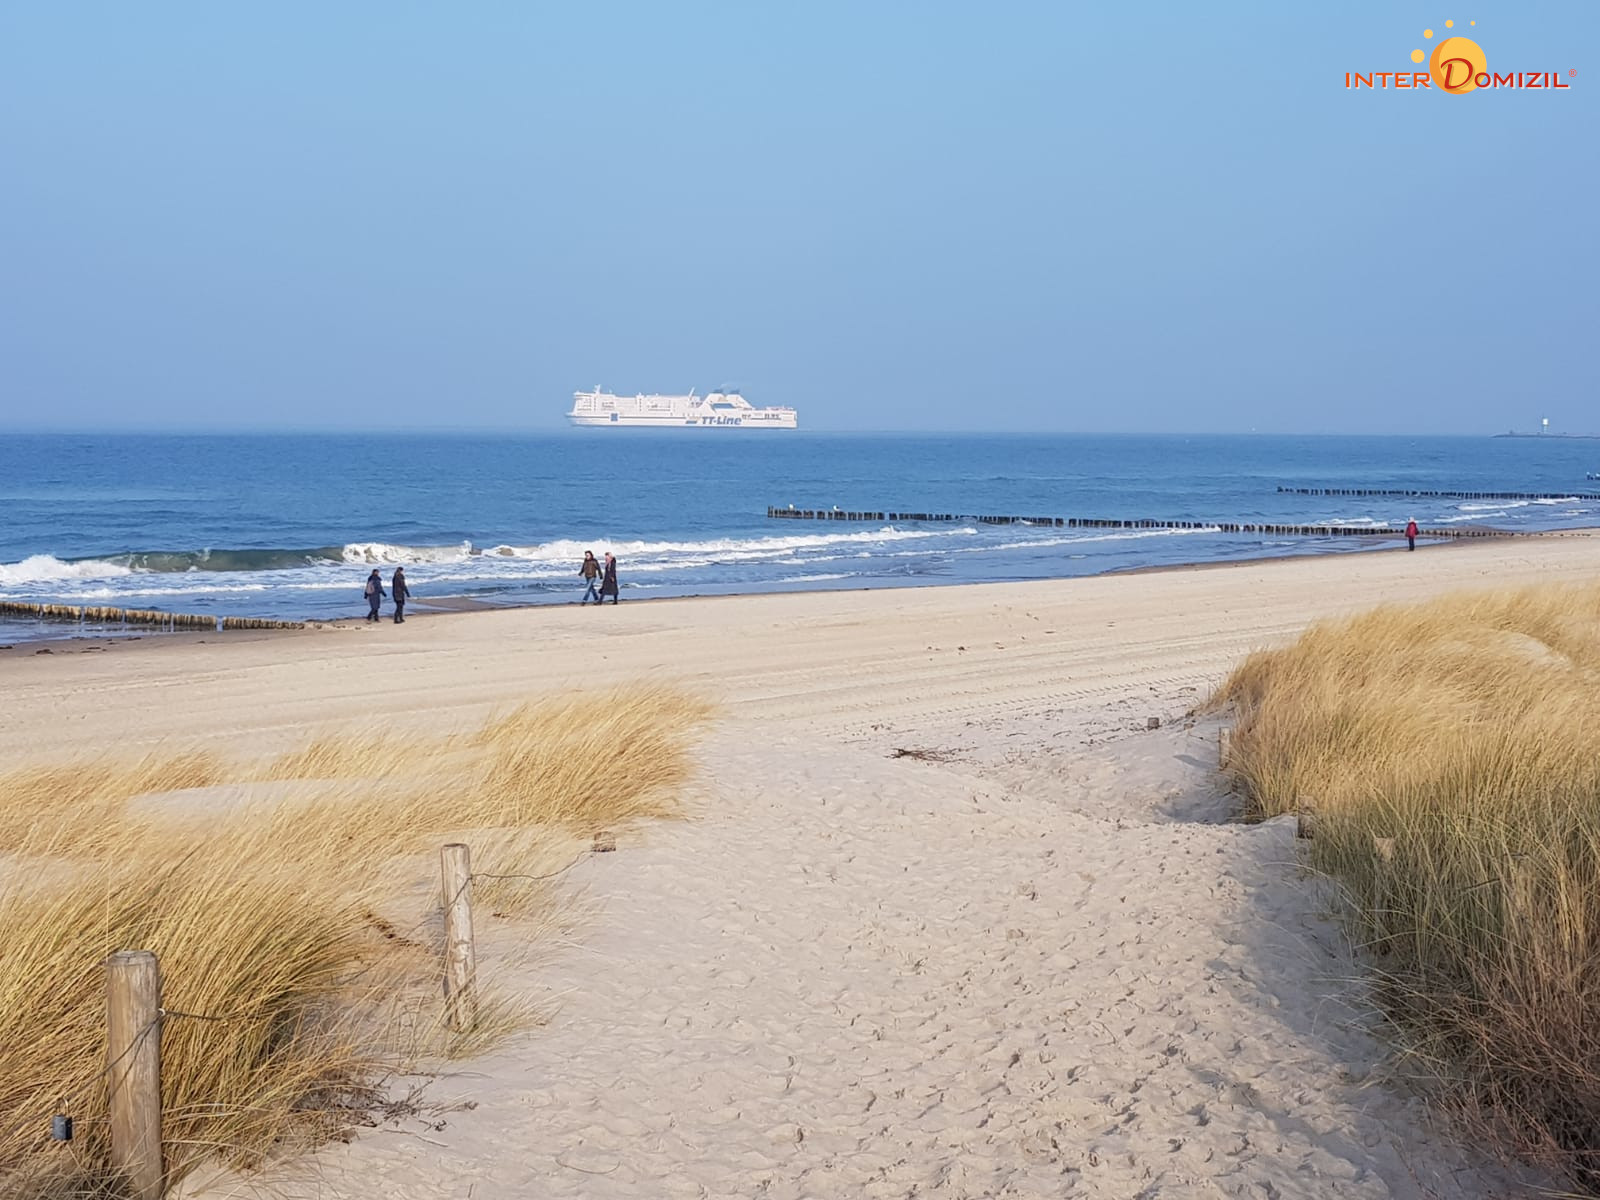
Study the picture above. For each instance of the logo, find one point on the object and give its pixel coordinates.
(1458, 65)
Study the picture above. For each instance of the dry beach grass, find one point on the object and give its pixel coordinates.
(1452, 753)
(292, 905)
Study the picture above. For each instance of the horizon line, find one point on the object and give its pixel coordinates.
(564, 430)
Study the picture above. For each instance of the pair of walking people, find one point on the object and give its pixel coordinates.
(606, 575)
(397, 589)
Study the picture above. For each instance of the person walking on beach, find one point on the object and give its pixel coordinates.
(375, 594)
(591, 573)
(401, 593)
(1411, 535)
(608, 580)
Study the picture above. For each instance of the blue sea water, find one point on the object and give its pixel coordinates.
(288, 526)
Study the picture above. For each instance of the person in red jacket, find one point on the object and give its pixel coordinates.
(1411, 535)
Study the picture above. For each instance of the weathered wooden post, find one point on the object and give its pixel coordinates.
(133, 1046)
(1224, 747)
(460, 955)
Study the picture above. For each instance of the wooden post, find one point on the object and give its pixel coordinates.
(1224, 747)
(1305, 817)
(133, 1026)
(460, 956)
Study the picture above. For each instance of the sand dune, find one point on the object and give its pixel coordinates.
(1043, 966)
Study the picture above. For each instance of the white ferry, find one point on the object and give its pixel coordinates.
(727, 409)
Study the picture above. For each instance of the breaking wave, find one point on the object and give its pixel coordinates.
(45, 568)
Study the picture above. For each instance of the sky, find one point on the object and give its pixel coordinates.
(893, 216)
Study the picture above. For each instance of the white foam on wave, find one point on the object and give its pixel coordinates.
(1505, 504)
(511, 572)
(379, 553)
(544, 560)
(197, 589)
(46, 568)
(1475, 516)
(1122, 535)
(1112, 536)
(718, 549)
(558, 559)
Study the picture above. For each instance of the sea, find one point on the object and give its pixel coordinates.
(288, 526)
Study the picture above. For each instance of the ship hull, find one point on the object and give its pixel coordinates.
(619, 421)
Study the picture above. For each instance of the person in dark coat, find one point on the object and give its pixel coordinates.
(375, 594)
(401, 593)
(591, 573)
(608, 579)
(1411, 535)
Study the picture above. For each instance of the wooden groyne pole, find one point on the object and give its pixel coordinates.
(1410, 493)
(147, 617)
(259, 623)
(823, 514)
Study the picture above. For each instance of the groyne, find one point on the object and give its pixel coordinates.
(836, 514)
(1413, 494)
(145, 618)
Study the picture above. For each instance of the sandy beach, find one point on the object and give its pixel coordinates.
(1032, 959)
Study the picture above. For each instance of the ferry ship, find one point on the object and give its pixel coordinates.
(722, 409)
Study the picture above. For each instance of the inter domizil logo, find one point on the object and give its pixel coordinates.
(1457, 65)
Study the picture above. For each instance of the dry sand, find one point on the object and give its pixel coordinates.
(1044, 966)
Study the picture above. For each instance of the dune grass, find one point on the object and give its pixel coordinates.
(306, 919)
(1451, 754)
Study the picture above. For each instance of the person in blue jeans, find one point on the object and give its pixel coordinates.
(591, 573)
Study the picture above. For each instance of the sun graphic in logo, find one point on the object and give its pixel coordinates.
(1456, 62)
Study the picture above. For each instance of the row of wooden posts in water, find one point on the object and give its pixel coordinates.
(147, 617)
(835, 514)
(1412, 493)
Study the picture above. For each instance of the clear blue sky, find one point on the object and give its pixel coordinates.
(1132, 217)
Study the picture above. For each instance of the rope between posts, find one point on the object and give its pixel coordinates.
(163, 1014)
(532, 878)
(497, 875)
(103, 1072)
